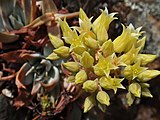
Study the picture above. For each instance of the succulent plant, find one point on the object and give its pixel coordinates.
(100, 65)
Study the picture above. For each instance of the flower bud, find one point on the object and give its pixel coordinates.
(56, 42)
(53, 56)
(103, 98)
(90, 86)
(81, 77)
(71, 66)
(92, 43)
(107, 48)
(135, 89)
(87, 60)
(89, 103)
(148, 75)
(62, 51)
(145, 58)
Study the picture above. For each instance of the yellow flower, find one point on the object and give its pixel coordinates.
(111, 83)
(84, 21)
(130, 56)
(132, 71)
(127, 39)
(68, 34)
(101, 25)
(77, 45)
(56, 42)
(104, 66)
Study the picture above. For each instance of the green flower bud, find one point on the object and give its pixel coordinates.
(145, 58)
(107, 48)
(92, 43)
(135, 89)
(81, 77)
(87, 60)
(71, 66)
(90, 86)
(56, 42)
(62, 51)
(130, 98)
(103, 98)
(148, 75)
(53, 56)
(89, 103)
(146, 92)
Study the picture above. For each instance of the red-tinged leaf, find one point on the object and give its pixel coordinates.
(8, 37)
(11, 73)
(16, 56)
(23, 78)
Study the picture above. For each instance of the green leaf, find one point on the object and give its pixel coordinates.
(80, 77)
(56, 42)
(89, 103)
(130, 98)
(135, 89)
(87, 60)
(103, 98)
(71, 66)
(90, 86)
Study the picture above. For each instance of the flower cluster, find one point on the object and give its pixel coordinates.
(100, 64)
